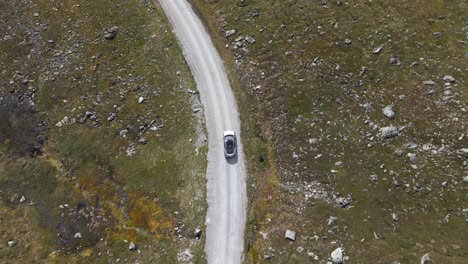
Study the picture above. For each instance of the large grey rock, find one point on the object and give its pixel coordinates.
(389, 132)
(388, 112)
(337, 256)
(290, 235)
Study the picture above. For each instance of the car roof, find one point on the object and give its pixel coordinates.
(229, 133)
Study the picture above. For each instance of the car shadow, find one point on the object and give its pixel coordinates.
(232, 161)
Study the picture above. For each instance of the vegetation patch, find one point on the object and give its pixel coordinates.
(96, 136)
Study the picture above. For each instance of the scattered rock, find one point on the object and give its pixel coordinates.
(425, 259)
(388, 112)
(378, 49)
(22, 199)
(389, 132)
(290, 235)
(394, 217)
(374, 177)
(141, 99)
(449, 78)
(111, 33)
(348, 41)
(77, 235)
(59, 124)
(465, 179)
(337, 256)
(11, 243)
(132, 246)
(429, 82)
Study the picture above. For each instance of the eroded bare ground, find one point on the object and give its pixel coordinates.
(102, 156)
(355, 120)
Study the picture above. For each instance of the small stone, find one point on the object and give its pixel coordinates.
(198, 233)
(59, 124)
(143, 141)
(463, 152)
(132, 246)
(331, 220)
(290, 235)
(394, 60)
(449, 78)
(378, 49)
(429, 82)
(374, 177)
(230, 33)
(250, 40)
(111, 33)
(141, 99)
(388, 112)
(411, 156)
(36, 14)
(389, 132)
(348, 41)
(425, 259)
(123, 133)
(337, 256)
(465, 179)
(111, 117)
(22, 199)
(367, 107)
(77, 235)
(11, 243)
(394, 217)
(312, 255)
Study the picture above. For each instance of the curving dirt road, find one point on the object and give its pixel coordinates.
(226, 179)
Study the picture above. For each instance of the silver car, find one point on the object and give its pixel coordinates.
(230, 144)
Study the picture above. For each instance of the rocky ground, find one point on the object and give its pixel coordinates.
(355, 119)
(102, 143)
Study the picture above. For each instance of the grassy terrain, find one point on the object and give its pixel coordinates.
(302, 87)
(135, 177)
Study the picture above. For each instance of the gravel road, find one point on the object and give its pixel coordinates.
(226, 189)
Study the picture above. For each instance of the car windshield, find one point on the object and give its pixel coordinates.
(229, 143)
